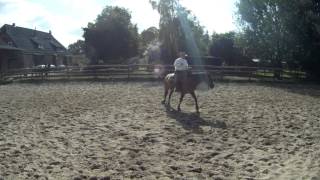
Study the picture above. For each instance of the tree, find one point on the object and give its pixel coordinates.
(282, 31)
(112, 37)
(179, 31)
(264, 26)
(226, 46)
(149, 35)
(149, 38)
(168, 33)
(222, 46)
(305, 27)
(77, 47)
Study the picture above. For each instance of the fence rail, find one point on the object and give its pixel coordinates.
(142, 70)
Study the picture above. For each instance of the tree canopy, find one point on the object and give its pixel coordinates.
(285, 31)
(149, 35)
(179, 31)
(77, 47)
(112, 37)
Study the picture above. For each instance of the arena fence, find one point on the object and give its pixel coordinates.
(142, 71)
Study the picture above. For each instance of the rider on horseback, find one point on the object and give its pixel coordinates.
(181, 68)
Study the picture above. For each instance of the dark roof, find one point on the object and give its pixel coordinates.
(6, 47)
(32, 40)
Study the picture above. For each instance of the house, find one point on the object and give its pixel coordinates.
(26, 48)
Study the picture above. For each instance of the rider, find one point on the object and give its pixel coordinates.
(181, 71)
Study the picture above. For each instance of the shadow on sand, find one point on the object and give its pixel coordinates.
(193, 121)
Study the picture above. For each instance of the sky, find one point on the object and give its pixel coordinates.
(66, 18)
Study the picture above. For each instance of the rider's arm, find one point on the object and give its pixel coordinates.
(175, 63)
(187, 65)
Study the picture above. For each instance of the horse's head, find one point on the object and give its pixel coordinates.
(203, 80)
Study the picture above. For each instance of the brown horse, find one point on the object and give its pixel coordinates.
(192, 83)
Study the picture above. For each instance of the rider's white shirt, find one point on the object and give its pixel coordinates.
(180, 64)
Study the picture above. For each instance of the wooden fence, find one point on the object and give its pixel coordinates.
(141, 71)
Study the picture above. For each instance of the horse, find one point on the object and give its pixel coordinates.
(192, 82)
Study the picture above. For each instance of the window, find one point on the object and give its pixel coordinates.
(37, 43)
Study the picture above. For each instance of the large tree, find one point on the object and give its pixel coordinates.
(282, 31)
(305, 27)
(149, 35)
(179, 31)
(222, 46)
(226, 46)
(264, 25)
(112, 37)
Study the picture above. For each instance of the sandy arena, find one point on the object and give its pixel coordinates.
(105, 130)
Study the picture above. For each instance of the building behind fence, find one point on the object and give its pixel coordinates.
(25, 48)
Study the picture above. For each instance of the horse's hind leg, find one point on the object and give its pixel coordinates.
(181, 98)
(171, 92)
(195, 100)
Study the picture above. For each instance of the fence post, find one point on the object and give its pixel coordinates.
(221, 74)
(67, 70)
(42, 74)
(128, 71)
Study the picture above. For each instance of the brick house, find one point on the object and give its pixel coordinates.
(25, 48)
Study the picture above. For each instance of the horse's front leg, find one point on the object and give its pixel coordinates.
(195, 100)
(165, 96)
(181, 98)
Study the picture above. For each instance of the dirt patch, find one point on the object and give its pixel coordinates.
(121, 130)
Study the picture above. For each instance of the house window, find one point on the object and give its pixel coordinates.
(40, 46)
(37, 43)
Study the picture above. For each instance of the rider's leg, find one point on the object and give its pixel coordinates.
(183, 80)
(177, 79)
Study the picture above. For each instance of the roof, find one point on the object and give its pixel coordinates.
(6, 47)
(32, 40)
